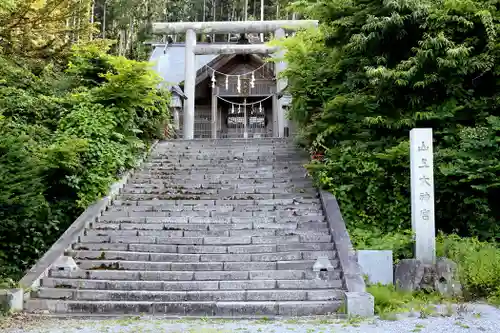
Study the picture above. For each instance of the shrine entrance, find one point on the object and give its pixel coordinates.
(245, 118)
(247, 122)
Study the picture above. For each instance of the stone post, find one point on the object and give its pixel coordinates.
(422, 194)
(189, 85)
(280, 85)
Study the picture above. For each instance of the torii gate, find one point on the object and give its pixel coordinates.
(192, 28)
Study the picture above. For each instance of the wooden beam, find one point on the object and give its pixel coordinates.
(232, 26)
(235, 49)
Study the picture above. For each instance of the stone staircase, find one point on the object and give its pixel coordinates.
(220, 227)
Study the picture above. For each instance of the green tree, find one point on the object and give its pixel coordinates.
(374, 70)
(65, 138)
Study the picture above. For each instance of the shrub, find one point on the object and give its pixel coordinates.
(478, 261)
(26, 222)
(64, 141)
(376, 69)
(479, 264)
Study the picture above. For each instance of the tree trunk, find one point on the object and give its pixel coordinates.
(121, 46)
(104, 20)
(214, 7)
(262, 18)
(204, 10)
(92, 13)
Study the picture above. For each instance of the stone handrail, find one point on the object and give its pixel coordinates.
(358, 301)
(70, 236)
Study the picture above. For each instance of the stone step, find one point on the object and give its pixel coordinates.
(200, 308)
(188, 211)
(219, 224)
(219, 217)
(228, 182)
(309, 225)
(161, 234)
(172, 191)
(242, 204)
(230, 152)
(286, 171)
(120, 265)
(191, 255)
(218, 186)
(199, 254)
(220, 158)
(183, 296)
(206, 211)
(251, 284)
(226, 143)
(165, 248)
(263, 271)
(266, 177)
(222, 170)
(241, 196)
(286, 216)
(243, 239)
(214, 212)
(235, 150)
(217, 166)
(261, 176)
(211, 205)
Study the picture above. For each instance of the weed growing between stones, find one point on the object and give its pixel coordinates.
(389, 302)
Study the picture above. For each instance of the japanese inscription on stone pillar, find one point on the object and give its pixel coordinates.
(422, 194)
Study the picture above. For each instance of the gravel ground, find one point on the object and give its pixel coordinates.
(468, 318)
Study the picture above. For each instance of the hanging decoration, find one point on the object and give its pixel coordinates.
(238, 85)
(238, 77)
(233, 104)
(213, 80)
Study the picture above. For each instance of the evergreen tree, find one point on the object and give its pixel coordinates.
(377, 68)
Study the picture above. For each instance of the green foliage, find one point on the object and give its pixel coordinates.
(479, 265)
(65, 137)
(43, 29)
(25, 219)
(389, 301)
(374, 70)
(401, 243)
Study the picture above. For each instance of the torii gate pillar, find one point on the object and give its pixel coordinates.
(279, 112)
(191, 28)
(189, 85)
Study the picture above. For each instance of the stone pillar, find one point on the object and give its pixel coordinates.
(214, 112)
(422, 194)
(275, 116)
(189, 85)
(280, 85)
